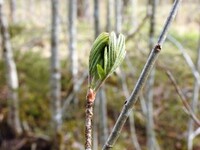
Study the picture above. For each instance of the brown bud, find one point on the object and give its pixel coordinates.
(91, 96)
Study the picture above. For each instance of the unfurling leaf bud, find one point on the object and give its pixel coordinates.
(106, 55)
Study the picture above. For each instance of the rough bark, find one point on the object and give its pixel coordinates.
(11, 76)
(72, 6)
(88, 122)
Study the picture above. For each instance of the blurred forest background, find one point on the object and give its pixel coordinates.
(45, 47)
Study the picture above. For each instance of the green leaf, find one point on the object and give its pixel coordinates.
(100, 71)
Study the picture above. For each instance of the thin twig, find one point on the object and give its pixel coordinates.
(88, 122)
(133, 33)
(186, 56)
(183, 98)
(140, 83)
(69, 99)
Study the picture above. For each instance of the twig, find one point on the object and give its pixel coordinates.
(72, 95)
(131, 117)
(88, 123)
(183, 98)
(186, 56)
(140, 83)
(133, 33)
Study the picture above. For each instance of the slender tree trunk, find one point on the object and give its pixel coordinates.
(103, 117)
(108, 15)
(96, 108)
(72, 42)
(131, 117)
(96, 18)
(13, 11)
(86, 4)
(11, 76)
(55, 68)
(96, 122)
(151, 140)
(133, 13)
(118, 16)
(194, 101)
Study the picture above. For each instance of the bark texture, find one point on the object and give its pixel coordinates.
(11, 76)
(88, 122)
(72, 41)
(55, 69)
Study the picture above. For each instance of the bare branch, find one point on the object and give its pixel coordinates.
(183, 98)
(140, 83)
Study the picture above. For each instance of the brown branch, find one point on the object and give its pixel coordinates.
(88, 122)
(133, 33)
(182, 97)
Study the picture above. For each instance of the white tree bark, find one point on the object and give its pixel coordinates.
(194, 101)
(55, 69)
(11, 75)
(72, 16)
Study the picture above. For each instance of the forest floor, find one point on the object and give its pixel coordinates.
(31, 44)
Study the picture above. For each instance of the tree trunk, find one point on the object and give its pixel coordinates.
(151, 140)
(108, 15)
(11, 76)
(13, 11)
(194, 101)
(103, 117)
(55, 69)
(96, 18)
(133, 13)
(72, 43)
(118, 16)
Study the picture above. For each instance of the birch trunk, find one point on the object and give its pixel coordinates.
(151, 140)
(55, 69)
(194, 101)
(11, 76)
(72, 16)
